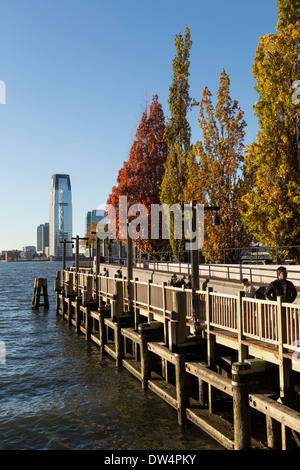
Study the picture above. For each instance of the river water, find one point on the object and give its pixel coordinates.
(58, 392)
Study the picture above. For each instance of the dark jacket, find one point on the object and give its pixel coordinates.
(275, 289)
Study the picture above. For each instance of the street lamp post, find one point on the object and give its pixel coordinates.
(77, 238)
(195, 257)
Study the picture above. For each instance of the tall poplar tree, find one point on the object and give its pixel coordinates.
(221, 163)
(273, 206)
(178, 132)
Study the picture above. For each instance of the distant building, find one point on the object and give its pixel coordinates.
(94, 216)
(42, 236)
(29, 252)
(60, 215)
(11, 255)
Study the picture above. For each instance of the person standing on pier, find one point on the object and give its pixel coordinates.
(175, 282)
(249, 289)
(281, 287)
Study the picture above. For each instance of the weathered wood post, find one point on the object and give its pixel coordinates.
(284, 371)
(102, 329)
(40, 289)
(136, 309)
(284, 368)
(203, 390)
(177, 324)
(69, 314)
(241, 409)
(181, 388)
(117, 307)
(273, 433)
(144, 354)
(78, 314)
(119, 345)
(58, 289)
(88, 324)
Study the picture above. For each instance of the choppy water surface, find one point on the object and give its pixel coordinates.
(58, 392)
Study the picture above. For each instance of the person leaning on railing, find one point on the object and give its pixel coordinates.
(281, 287)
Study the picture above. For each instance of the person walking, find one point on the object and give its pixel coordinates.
(281, 287)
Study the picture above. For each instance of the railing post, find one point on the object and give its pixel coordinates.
(241, 409)
(150, 315)
(284, 372)
(242, 353)
(136, 310)
(210, 338)
(163, 290)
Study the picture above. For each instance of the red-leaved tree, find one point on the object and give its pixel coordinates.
(140, 178)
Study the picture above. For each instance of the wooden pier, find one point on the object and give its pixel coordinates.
(231, 363)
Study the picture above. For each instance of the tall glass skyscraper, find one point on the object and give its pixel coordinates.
(60, 219)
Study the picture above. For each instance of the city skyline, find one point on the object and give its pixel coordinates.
(77, 77)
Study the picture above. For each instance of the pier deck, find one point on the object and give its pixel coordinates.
(231, 348)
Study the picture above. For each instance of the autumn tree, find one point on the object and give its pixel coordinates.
(220, 177)
(272, 208)
(140, 177)
(89, 238)
(177, 134)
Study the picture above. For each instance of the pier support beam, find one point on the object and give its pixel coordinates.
(181, 388)
(241, 409)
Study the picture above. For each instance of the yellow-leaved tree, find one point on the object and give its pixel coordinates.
(273, 206)
(221, 179)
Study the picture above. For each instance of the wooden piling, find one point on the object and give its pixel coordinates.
(181, 388)
(145, 366)
(40, 290)
(241, 409)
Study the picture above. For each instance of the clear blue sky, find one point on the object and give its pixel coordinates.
(77, 76)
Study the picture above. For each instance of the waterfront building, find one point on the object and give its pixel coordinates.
(42, 245)
(60, 215)
(93, 217)
(28, 252)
